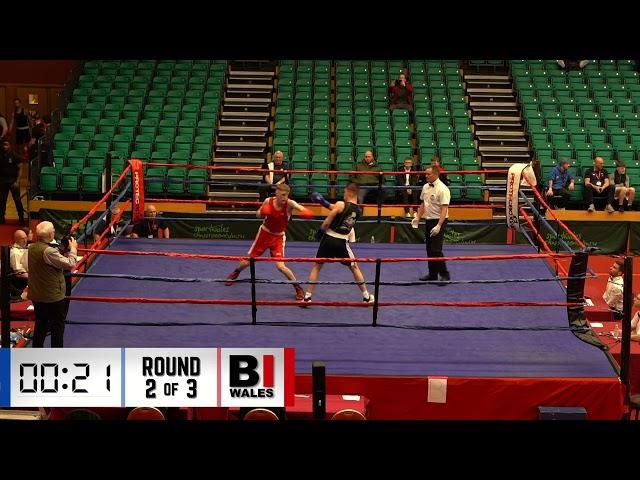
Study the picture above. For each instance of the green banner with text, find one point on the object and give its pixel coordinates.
(455, 233)
(608, 237)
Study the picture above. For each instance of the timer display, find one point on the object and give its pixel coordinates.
(66, 377)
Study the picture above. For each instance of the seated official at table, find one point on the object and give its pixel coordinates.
(635, 320)
(151, 226)
(19, 263)
(104, 221)
(614, 289)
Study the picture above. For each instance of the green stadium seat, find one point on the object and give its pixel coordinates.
(70, 179)
(48, 179)
(91, 180)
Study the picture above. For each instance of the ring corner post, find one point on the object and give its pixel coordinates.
(625, 353)
(376, 294)
(254, 306)
(5, 297)
(575, 289)
(380, 192)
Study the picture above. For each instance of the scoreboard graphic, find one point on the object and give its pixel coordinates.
(159, 377)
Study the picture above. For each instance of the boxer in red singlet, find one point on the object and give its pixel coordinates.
(276, 212)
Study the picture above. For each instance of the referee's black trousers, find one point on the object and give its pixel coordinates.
(434, 248)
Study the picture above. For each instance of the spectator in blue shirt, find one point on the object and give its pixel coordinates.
(560, 182)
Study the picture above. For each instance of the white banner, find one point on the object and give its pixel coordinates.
(515, 178)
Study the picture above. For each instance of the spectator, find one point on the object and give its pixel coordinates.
(572, 64)
(560, 182)
(23, 125)
(47, 287)
(623, 190)
(37, 131)
(103, 223)
(408, 179)
(615, 286)
(366, 181)
(19, 263)
(635, 321)
(4, 128)
(10, 173)
(276, 174)
(596, 185)
(46, 158)
(151, 226)
(401, 94)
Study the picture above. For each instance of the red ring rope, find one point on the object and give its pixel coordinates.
(200, 301)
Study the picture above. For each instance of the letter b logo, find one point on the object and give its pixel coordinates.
(242, 371)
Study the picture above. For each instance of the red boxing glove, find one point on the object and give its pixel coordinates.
(306, 213)
(266, 209)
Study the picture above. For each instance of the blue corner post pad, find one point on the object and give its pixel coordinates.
(5, 377)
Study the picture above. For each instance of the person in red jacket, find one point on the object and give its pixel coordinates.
(401, 94)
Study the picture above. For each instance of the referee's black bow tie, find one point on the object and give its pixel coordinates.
(431, 184)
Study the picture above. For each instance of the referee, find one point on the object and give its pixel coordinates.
(435, 198)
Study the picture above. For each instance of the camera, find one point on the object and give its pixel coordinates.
(66, 235)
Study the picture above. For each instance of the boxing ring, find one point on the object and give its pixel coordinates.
(498, 332)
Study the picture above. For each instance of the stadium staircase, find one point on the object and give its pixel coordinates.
(498, 124)
(241, 139)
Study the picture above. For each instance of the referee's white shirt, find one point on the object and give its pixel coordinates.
(434, 198)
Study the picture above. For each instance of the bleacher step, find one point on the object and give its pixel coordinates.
(240, 91)
(491, 161)
(249, 80)
(499, 84)
(252, 73)
(244, 144)
(500, 133)
(228, 113)
(247, 100)
(239, 162)
(241, 136)
(249, 95)
(491, 139)
(492, 104)
(489, 148)
(487, 77)
(498, 111)
(491, 97)
(254, 108)
(498, 124)
(496, 118)
(500, 91)
(242, 122)
(249, 86)
(235, 194)
(499, 160)
(233, 128)
(234, 177)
